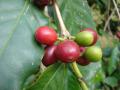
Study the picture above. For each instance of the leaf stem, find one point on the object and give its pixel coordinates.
(65, 33)
(79, 75)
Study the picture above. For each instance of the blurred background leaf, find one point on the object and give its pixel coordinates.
(19, 53)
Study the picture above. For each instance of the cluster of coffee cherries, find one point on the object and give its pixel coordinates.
(79, 49)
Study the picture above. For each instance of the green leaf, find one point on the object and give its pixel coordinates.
(112, 81)
(19, 53)
(56, 77)
(112, 63)
(99, 76)
(90, 73)
(76, 15)
(107, 52)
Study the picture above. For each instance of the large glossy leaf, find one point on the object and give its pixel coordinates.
(56, 77)
(19, 53)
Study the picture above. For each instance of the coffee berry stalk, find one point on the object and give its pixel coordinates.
(65, 33)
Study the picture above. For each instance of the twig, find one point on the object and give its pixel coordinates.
(108, 20)
(67, 34)
(64, 31)
(110, 32)
(115, 4)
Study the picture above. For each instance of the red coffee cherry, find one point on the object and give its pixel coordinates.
(46, 35)
(86, 37)
(67, 51)
(82, 50)
(82, 61)
(49, 56)
(94, 34)
(40, 3)
(118, 34)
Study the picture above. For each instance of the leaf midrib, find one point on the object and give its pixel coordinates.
(14, 28)
(52, 77)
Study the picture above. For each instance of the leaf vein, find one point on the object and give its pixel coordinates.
(14, 28)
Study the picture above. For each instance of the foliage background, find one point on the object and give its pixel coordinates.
(20, 55)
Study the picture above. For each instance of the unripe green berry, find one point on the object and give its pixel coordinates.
(93, 54)
(86, 37)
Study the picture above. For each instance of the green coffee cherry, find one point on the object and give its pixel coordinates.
(86, 37)
(93, 54)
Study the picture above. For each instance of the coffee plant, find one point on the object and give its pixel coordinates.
(59, 45)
